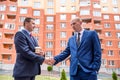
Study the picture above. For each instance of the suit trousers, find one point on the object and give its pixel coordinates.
(24, 78)
(81, 75)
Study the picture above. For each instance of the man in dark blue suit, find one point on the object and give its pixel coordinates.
(84, 50)
(28, 62)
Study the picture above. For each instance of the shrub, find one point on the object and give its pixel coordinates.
(50, 68)
(63, 75)
(114, 76)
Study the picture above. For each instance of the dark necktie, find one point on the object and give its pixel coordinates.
(78, 39)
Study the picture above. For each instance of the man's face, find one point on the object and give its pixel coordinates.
(30, 25)
(76, 25)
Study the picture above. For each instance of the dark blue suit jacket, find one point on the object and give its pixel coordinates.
(88, 54)
(27, 62)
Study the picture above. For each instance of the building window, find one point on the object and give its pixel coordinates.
(6, 57)
(63, 43)
(96, 13)
(2, 16)
(107, 34)
(50, 11)
(49, 54)
(118, 35)
(63, 63)
(73, 8)
(104, 62)
(63, 25)
(63, 17)
(37, 21)
(110, 53)
(50, 19)
(117, 18)
(49, 35)
(37, 38)
(62, 1)
(24, 2)
(12, 8)
(36, 13)
(111, 63)
(119, 52)
(22, 18)
(73, 16)
(2, 7)
(62, 8)
(106, 16)
(49, 44)
(118, 44)
(63, 34)
(36, 30)
(73, 0)
(115, 9)
(50, 3)
(10, 26)
(96, 5)
(84, 12)
(105, 8)
(117, 26)
(0, 35)
(85, 3)
(36, 5)
(114, 1)
(49, 27)
(104, 1)
(109, 43)
(23, 11)
(20, 27)
(107, 25)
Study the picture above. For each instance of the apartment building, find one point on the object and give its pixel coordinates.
(53, 28)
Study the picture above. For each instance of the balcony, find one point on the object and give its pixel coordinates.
(1, 25)
(11, 16)
(101, 36)
(2, 0)
(13, 0)
(102, 46)
(98, 27)
(7, 51)
(87, 26)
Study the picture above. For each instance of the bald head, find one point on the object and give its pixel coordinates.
(76, 24)
(76, 19)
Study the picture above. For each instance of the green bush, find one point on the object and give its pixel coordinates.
(63, 75)
(50, 68)
(114, 76)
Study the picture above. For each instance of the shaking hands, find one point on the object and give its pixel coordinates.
(50, 61)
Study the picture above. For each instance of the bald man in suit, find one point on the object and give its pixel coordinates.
(84, 50)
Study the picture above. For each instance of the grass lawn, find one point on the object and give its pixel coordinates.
(9, 77)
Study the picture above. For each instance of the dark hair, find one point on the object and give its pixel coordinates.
(27, 19)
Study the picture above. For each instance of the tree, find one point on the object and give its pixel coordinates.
(63, 75)
(114, 76)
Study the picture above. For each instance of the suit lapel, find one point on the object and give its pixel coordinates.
(29, 38)
(74, 40)
(83, 38)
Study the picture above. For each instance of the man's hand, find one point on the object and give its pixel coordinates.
(49, 61)
(41, 53)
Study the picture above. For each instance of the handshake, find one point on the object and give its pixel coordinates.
(49, 61)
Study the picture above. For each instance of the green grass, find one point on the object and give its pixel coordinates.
(9, 77)
(40, 77)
